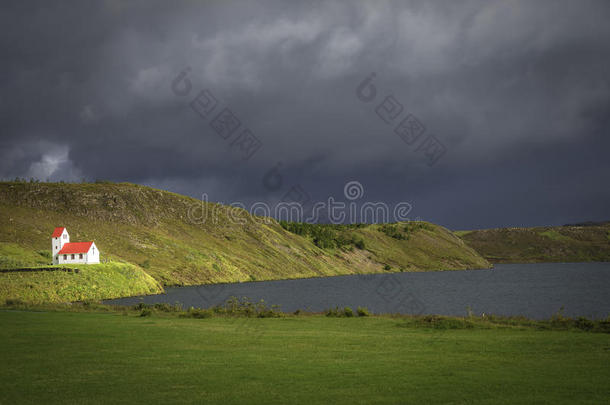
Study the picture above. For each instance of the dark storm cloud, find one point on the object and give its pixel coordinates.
(517, 91)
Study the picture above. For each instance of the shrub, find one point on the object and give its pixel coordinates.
(325, 236)
(168, 308)
(559, 321)
(335, 312)
(92, 305)
(392, 231)
(604, 325)
(13, 302)
(442, 322)
(417, 225)
(387, 267)
(197, 313)
(272, 312)
(218, 309)
(45, 253)
(359, 243)
(146, 312)
(236, 307)
(584, 323)
(343, 240)
(362, 311)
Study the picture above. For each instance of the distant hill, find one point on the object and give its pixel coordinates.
(586, 242)
(590, 223)
(150, 229)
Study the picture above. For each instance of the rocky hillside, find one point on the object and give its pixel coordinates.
(151, 229)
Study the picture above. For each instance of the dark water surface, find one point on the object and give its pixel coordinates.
(533, 290)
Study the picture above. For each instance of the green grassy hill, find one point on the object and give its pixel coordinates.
(151, 230)
(570, 243)
(92, 282)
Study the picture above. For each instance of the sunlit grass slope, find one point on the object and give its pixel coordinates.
(151, 229)
(92, 282)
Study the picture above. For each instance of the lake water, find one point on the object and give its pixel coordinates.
(533, 290)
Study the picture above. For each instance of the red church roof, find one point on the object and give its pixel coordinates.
(57, 232)
(75, 247)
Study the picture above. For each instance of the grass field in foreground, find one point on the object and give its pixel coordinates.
(72, 357)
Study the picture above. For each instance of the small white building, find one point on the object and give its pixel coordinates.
(65, 252)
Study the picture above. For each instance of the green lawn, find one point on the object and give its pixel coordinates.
(72, 357)
(92, 282)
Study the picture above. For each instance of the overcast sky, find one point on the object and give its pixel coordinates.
(515, 93)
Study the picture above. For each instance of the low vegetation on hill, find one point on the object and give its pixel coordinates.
(588, 242)
(92, 282)
(179, 240)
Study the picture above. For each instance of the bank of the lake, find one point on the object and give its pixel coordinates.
(533, 290)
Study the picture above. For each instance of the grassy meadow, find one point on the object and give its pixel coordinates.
(59, 357)
(91, 282)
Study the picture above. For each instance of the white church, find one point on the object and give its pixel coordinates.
(65, 252)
